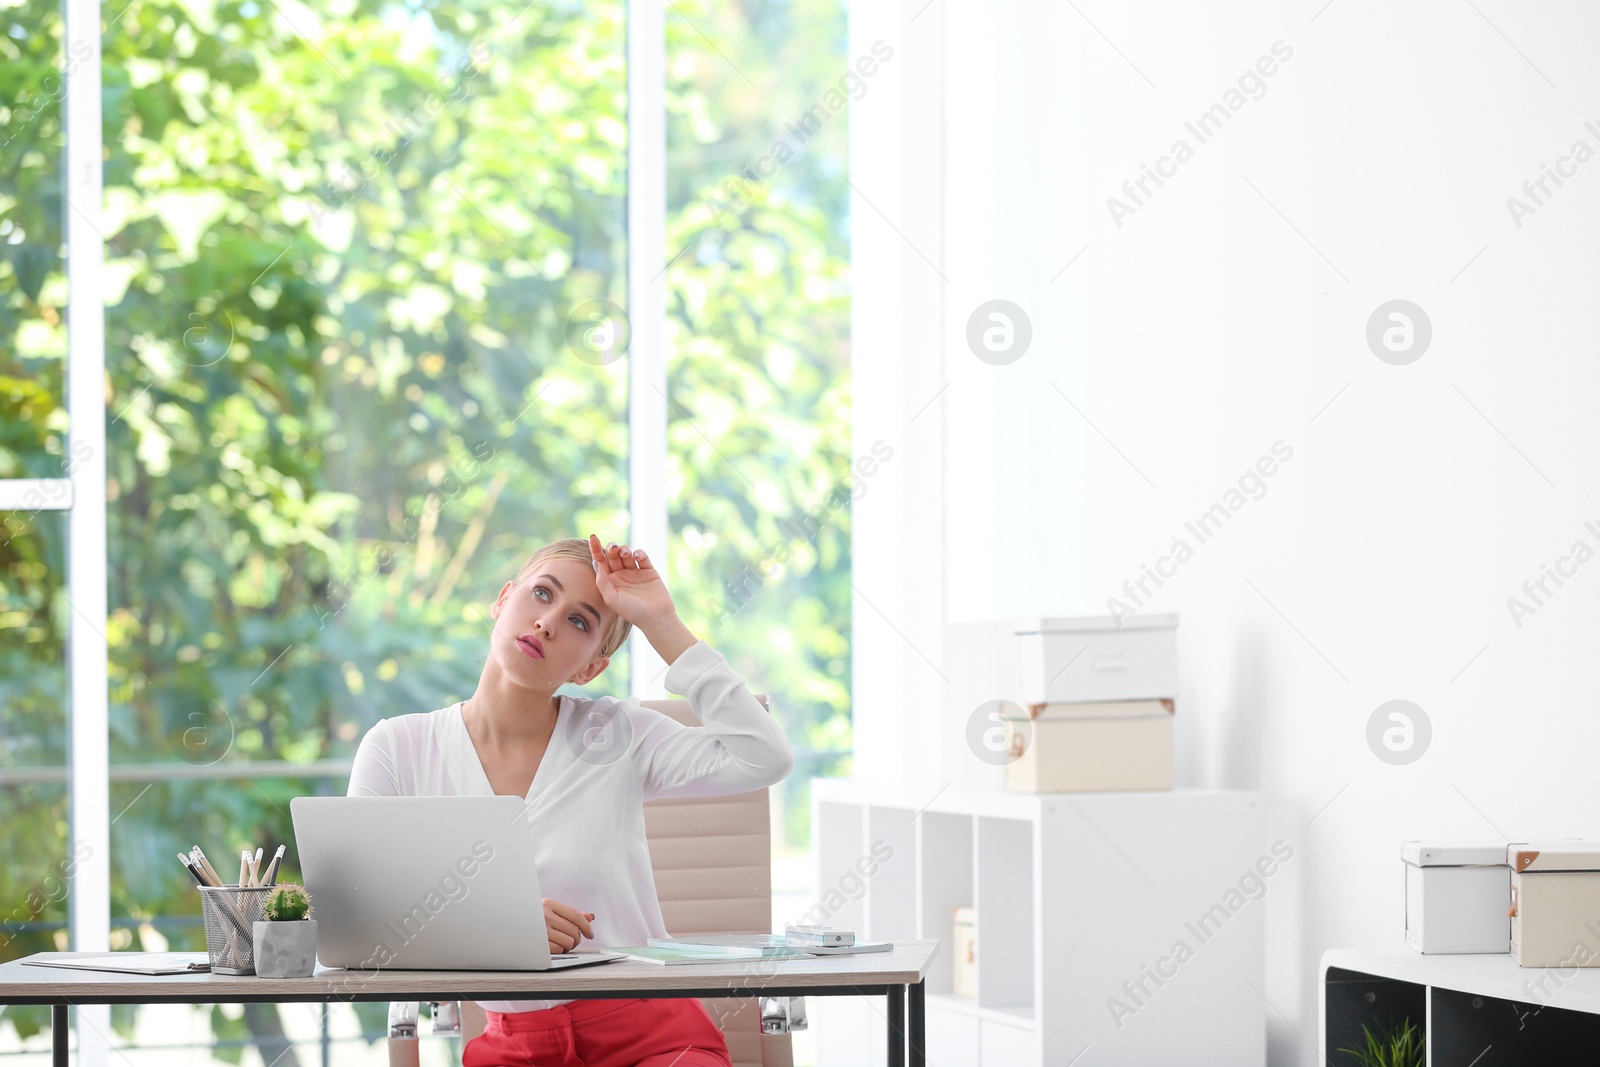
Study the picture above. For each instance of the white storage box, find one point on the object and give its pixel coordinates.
(1555, 903)
(1090, 748)
(1456, 897)
(1084, 659)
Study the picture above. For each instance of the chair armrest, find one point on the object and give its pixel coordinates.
(783, 1015)
(446, 1018)
(402, 1044)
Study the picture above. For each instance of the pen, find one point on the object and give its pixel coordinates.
(272, 868)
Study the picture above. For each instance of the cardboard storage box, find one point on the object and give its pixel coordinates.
(1088, 659)
(1090, 748)
(1456, 897)
(963, 953)
(1555, 903)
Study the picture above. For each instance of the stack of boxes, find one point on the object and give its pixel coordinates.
(1539, 901)
(1096, 716)
(1097, 703)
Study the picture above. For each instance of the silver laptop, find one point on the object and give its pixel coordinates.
(425, 883)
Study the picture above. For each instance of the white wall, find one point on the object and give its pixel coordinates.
(1227, 314)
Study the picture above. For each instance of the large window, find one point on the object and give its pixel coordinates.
(38, 858)
(34, 833)
(366, 266)
(758, 358)
(33, 296)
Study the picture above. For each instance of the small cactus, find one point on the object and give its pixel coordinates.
(287, 903)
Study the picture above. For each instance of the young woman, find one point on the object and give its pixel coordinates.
(584, 768)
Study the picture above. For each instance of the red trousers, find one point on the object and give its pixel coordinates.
(636, 1032)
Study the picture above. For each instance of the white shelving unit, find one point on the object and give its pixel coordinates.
(1074, 895)
(1475, 1010)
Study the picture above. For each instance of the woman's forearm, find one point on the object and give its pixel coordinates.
(738, 746)
(669, 637)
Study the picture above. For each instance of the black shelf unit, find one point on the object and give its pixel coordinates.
(1462, 1028)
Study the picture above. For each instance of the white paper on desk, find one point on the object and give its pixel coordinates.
(134, 962)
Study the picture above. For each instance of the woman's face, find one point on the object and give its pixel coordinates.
(548, 629)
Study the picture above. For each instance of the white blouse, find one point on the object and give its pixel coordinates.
(585, 805)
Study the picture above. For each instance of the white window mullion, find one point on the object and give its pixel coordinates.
(647, 308)
(89, 833)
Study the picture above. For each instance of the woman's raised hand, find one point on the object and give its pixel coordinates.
(565, 925)
(629, 584)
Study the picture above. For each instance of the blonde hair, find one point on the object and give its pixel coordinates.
(576, 548)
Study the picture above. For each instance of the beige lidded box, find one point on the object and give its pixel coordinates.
(1114, 746)
(1555, 903)
(963, 954)
(1090, 659)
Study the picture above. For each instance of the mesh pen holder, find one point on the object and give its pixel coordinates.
(229, 912)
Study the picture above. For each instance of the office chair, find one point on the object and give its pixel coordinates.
(712, 860)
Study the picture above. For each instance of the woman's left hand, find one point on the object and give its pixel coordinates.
(565, 926)
(629, 584)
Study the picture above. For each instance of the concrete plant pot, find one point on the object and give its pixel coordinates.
(285, 949)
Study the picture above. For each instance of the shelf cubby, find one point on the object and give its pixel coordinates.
(1356, 1001)
(894, 879)
(1005, 933)
(944, 866)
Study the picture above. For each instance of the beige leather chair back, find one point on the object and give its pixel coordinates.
(712, 859)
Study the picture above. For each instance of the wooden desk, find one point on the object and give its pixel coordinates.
(897, 976)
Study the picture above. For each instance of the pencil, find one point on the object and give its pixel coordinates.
(255, 868)
(198, 856)
(199, 878)
(244, 865)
